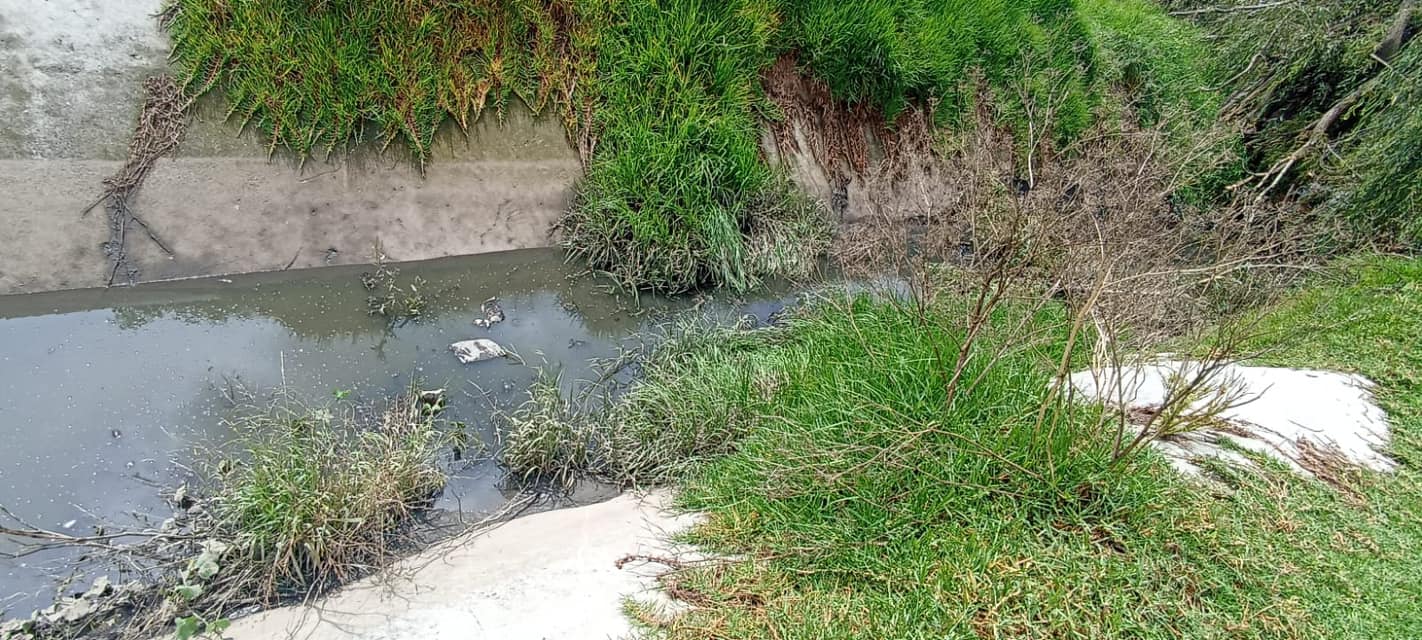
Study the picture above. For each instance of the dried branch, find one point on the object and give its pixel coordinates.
(1252, 7)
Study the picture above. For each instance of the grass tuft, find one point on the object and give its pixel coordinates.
(322, 491)
(543, 441)
(678, 169)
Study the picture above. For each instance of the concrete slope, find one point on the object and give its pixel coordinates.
(550, 575)
(71, 74)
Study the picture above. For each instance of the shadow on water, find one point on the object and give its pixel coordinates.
(106, 393)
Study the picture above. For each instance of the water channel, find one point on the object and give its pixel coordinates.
(106, 393)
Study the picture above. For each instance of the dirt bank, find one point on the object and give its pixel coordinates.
(551, 575)
(222, 205)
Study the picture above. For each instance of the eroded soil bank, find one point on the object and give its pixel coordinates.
(69, 96)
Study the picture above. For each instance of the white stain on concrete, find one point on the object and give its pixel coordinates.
(1280, 413)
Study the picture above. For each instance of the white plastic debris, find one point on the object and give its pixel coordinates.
(1292, 415)
(477, 350)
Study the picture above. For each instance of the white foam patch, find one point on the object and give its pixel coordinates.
(1279, 412)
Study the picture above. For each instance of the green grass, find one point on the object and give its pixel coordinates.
(318, 494)
(866, 505)
(1283, 68)
(1380, 180)
(1162, 63)
(678, 165)
(664, 96)
(895, 53)
(1356, 565)
(319, 74)
(542, 441)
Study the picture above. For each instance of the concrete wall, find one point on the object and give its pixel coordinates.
(71, 74)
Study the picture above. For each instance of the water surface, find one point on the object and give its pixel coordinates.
(106, 393)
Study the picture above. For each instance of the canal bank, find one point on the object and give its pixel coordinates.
(224, 203)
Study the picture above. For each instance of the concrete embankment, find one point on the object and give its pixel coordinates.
(71, 91)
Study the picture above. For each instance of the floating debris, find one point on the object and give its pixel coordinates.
(477, 350)
(493, 313)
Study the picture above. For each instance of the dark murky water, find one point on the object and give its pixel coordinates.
(105, 393)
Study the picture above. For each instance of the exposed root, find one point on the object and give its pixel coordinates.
(671, 563)
(160, 129)
(837, 133)
(842, 137)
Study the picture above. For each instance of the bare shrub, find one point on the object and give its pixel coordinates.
(1095, 226)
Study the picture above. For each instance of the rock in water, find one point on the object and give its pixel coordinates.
(477, 350)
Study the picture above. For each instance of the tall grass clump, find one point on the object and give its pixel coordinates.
(543, 441)
(849, 365)
(316, 75)
(320, 493)
(677, 175)
(655, 432)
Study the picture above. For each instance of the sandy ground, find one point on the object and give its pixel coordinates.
(1290, 415)
(550, 575)
(70, 89)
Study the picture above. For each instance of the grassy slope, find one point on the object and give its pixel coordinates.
(1380, 181)
(1356, 565)
(867, 512)
(678, 182)
(1284, 67)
